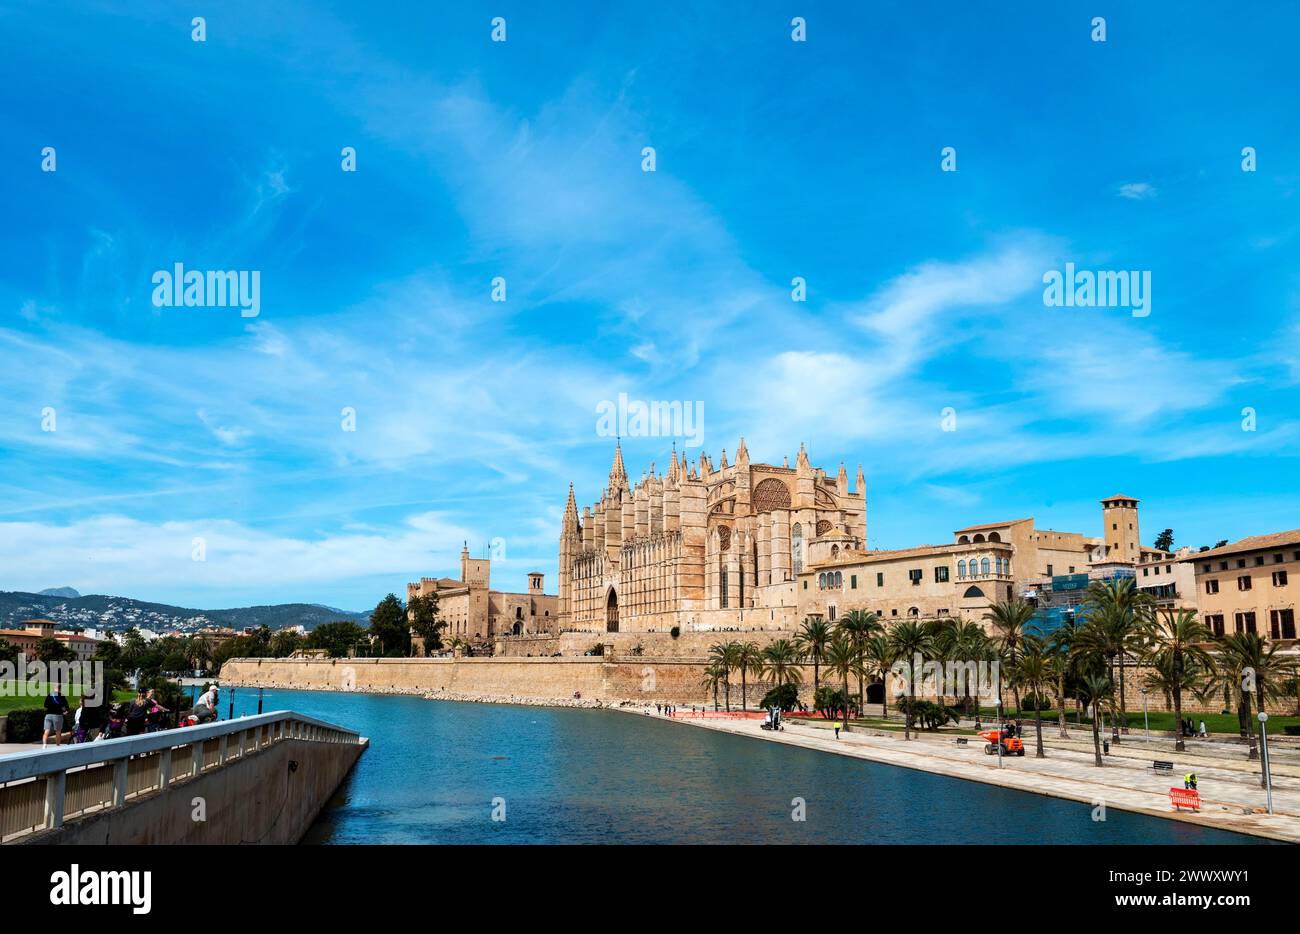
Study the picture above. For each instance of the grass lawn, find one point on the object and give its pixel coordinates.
(9, 702)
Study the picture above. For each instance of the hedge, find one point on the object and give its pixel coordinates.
(26, 726)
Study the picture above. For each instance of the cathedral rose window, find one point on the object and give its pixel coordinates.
(771, 494)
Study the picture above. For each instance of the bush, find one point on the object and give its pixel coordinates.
(1027, 704)
(26, 726)
(675, 631)
(1291, 730)
(927, 714)
(830, 702)
(786, 697)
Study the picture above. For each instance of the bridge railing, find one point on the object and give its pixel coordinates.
(41, 789)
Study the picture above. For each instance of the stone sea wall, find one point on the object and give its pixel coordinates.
(597, 680)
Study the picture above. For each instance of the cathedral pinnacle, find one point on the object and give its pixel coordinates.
(617, 473)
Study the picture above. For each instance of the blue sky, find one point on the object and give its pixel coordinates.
(522, 159)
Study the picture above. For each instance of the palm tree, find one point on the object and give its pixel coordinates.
(780, 661)
(860, 625)
(1159, 676)
(812, 640)
(1181, 636)
(1034, 670)
(943, 638)
(1009, 618)
(748, 660)
(877, 661)
(843, 658)
(1118, 607)
(1058, 666)
(1250, 659)
(1099, 691)
(713, 676)
(910, 641)
(726, 656)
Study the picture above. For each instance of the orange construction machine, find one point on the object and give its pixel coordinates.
(1011, 745)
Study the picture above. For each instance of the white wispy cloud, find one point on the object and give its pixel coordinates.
(1137, 191)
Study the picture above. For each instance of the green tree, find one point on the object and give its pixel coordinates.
(1034, 671)
(1259, 673)
(336, 638)
(785, 696)
(389, 628)
(1009, 618)
(811, 641)
(284, 643)
(134, 650)
(877, 661)
(1182, 637)
(1099, 692)
(726, 655)
(1115, 612)
(50, 649)
(843, 658)
(423, 613)
(749, 659)
(781, 663)
(1165, 540)
(8, 652)
(714, 675)
(859, 626)
(909, 641)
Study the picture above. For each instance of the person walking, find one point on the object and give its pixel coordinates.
(1204, 733)
(56, 708)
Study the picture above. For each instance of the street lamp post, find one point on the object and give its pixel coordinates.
(1263, 739)
(997, 708)
(1146, 721)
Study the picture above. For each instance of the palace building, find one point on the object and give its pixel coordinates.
(475, 613)
(703, 546)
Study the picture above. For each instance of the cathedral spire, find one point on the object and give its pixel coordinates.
(860, 486)
(617, 473)
(672, 467)
(571, 512)
(742, 453)
(723, 464)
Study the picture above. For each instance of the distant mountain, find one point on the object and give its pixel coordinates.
(59, 592)
(101, 611)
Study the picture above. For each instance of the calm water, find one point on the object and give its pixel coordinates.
(592, 776)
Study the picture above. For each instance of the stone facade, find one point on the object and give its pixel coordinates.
(702, 547)
(477, 614)
(1250, 586)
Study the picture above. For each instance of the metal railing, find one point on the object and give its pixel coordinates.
(39, 790)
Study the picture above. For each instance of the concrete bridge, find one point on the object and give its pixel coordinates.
(259, 779)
